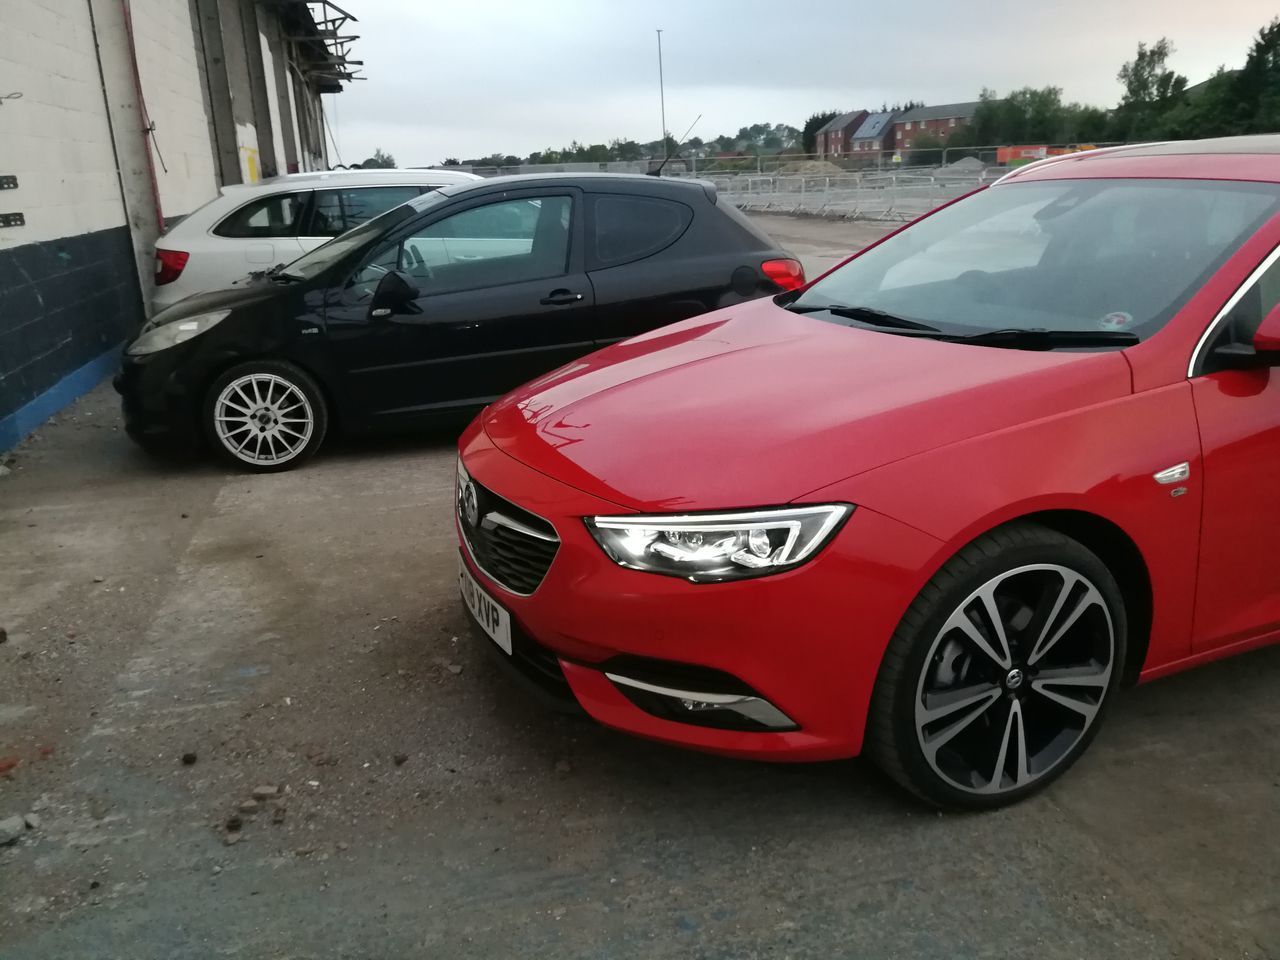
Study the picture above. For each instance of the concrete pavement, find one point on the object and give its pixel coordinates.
(302, 631)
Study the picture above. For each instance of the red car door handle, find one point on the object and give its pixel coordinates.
(559, 298)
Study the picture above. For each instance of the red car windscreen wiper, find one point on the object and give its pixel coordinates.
(1038, 338)
(868, 315)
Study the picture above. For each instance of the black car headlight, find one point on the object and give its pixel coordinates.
(711, 548)
(156, 337)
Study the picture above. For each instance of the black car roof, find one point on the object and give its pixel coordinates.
(591, 183)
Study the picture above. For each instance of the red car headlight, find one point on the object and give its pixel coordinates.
(711, 548)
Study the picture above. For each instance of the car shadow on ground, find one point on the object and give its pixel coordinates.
(337, 449)
(432, 438)
(1156, 732)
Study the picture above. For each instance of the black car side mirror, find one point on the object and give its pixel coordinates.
(394, 294)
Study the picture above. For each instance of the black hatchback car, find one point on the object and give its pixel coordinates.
(442, 304)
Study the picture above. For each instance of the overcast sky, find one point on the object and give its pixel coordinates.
(465, 79)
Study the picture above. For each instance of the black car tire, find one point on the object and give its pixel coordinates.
(933, 665)
(169, 449)
(284, 412)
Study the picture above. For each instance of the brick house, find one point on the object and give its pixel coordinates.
(938, 122)
(832, 140)
(873, 136)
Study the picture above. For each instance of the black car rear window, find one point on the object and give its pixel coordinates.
(629, 228)
(746, 226)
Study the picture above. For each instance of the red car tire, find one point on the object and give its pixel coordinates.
(944, 713)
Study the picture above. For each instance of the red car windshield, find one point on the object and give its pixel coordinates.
(1062, 255)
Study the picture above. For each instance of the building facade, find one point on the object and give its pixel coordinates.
(834, 137)
(118, 117)
(938, 123)
(873, 136)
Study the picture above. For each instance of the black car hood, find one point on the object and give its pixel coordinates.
(227, 299)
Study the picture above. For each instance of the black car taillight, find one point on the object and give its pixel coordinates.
(786, 273)
(169, 265)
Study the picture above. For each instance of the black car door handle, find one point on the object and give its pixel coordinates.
(559, 298)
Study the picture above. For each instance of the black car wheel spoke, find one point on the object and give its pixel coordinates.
(1014, 678)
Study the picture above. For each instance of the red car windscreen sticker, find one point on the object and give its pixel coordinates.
(1119, 320)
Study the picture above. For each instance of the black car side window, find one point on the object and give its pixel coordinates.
(365, 281)
(509, 241)
(273, 216)
(631, 228)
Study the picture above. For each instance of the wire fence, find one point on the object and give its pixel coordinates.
(896, 193)
(773, 163)
(896, 185)
(873, 196)
(690, 163)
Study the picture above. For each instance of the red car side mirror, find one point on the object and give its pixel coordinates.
(1267, 337)
(1262, 352)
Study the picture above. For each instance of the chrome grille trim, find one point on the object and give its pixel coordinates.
(515, 553)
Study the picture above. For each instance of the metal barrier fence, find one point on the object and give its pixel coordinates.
(875, 185)
(913, 160)
(779, 163)
(872, 196)
(896, 194)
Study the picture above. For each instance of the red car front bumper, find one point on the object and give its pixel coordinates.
(808, 641)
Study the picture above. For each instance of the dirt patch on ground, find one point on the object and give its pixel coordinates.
(819, 168)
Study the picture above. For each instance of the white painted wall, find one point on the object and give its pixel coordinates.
(273, 105)
(121, 96)
(247, 146)
(166, 46)
(56, 139)
(304, 161)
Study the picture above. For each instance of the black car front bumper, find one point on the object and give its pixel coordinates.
(159, 401)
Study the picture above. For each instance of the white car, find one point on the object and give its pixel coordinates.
(253, 227)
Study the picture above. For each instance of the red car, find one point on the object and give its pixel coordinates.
(937, 505)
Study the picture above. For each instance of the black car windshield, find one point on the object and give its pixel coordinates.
(311, 264)
(1065, 255)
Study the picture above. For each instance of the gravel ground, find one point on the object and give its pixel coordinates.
(179, 636)
(821, 244)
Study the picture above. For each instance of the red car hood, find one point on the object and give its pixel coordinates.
(754, 405)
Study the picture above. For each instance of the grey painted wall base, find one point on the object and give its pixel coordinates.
(63, 304)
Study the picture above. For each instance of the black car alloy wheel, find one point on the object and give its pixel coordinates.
(266, 415)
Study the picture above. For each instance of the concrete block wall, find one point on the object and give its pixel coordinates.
(163, 35)
(97, 183)
(237, 24)
(166, 173)
(69, 291)
(57, 138)
(273, 102)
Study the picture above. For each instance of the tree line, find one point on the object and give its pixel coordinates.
(757, 138)
(1156, 104)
